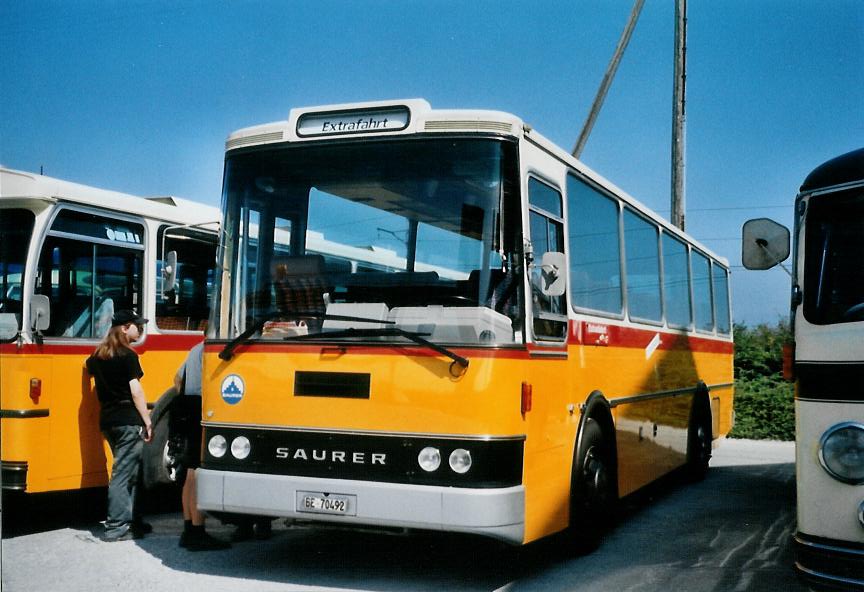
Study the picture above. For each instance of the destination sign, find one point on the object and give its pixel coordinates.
(387, 119)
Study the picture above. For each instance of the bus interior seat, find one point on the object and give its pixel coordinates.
(181, 323)
(300, 284)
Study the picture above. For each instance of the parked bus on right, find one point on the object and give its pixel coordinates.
(828, 354)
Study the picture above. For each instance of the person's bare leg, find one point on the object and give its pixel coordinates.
(192, 482)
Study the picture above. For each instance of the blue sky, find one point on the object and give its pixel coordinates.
(140, 96)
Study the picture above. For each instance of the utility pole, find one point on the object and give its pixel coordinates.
(607, 78)
(678, 114)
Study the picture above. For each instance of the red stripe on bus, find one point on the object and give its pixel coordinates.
(581, 333)
(151, 343)
(411, 350)
(608, 335)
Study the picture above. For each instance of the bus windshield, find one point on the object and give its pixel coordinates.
(413, 235)
(834, 258)
(16, 226)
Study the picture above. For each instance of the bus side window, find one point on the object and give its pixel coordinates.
(187, 306)
(595, 252)
(700, 273)
(546, 220)
(720, 279)
(86, 283)
(676, 282)
(643, 268)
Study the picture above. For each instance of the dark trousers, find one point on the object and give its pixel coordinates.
(126, 446)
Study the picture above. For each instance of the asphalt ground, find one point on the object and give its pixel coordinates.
(730, 532)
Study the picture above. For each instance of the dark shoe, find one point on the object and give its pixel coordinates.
(139, 529)
(244, 532)
(205, 542)
(185, 536)
(263, 530)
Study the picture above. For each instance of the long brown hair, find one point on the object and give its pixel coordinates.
(113, 343)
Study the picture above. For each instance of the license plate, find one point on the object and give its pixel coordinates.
(326, 503)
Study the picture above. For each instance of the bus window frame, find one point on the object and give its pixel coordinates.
(562, 221)
(690, 326)
(142, 247)
(163, 229)
(624, 282)
(728, 300)
(713, 331)
(619, 205)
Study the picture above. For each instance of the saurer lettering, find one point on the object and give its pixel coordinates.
(341, 456)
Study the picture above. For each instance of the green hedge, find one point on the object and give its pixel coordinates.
(764, 402)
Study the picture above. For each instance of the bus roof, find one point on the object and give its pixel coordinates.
(847, 168)
(418, 116)
(23, 185)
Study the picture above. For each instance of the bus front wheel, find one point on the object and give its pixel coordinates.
(593, 492)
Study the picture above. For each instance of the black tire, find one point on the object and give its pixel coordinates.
(699, 440)
(160, 465)
(594, 491)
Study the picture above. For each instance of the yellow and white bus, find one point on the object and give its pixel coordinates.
(828, 329)
(71, 255)
(539, 344)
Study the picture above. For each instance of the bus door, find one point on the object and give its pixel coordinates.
(89, 267)
(550, 422)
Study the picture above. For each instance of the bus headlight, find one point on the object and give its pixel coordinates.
(240, 447)
(217, 446)
(841, 452)
(460, 460)
(429, 459)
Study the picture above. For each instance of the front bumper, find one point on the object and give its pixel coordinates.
(830, 563)
(497, 513)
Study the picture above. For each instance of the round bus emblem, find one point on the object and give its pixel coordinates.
(233, 389)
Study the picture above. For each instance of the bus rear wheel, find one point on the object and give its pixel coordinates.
(593, 491)
(699, 439)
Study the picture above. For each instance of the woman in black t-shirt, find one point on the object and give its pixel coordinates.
(123, 419)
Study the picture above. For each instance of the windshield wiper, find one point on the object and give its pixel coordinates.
(228, 351)
(417, 338)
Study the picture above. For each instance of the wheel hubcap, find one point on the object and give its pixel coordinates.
(596, 477)
(704, 444)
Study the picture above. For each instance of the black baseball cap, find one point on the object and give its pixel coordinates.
(125, 317)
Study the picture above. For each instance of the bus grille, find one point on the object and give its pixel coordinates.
(257, 139)
(493, 126)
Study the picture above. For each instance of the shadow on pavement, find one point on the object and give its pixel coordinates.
(25, 514)
(729, 532)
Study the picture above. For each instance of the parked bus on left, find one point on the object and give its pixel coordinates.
(70, 256)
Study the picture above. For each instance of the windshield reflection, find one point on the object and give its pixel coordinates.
(410, 236)
(834, 258)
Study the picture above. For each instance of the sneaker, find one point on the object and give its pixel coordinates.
(128, 535)
(185, 537)
(205, 542)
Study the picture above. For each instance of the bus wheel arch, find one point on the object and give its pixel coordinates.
(699, 434)
(594, 475)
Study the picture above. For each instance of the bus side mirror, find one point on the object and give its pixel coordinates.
(553, 274)
(764, 243)
(169, 273)
(40, 312)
